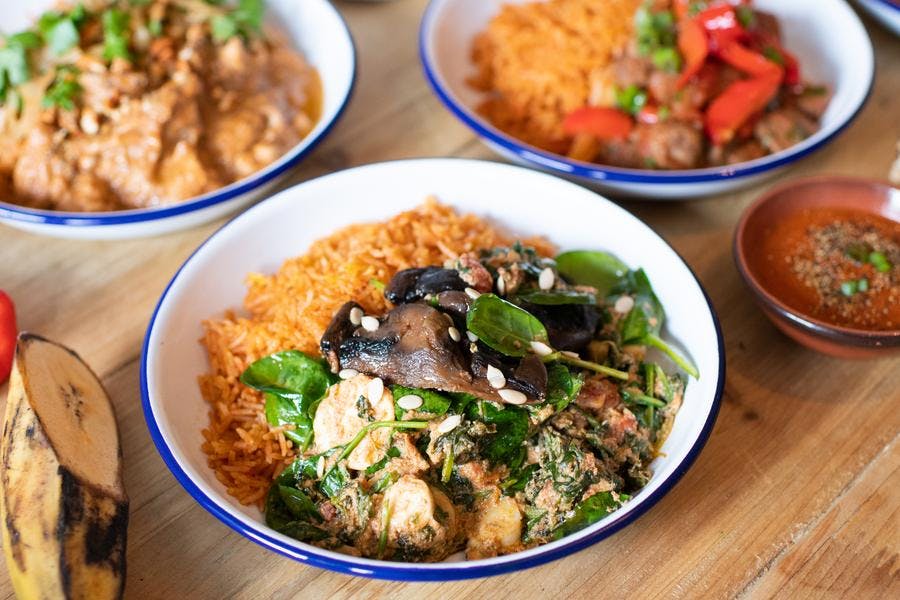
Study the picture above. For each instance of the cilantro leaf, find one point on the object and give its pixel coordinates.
(115, 34)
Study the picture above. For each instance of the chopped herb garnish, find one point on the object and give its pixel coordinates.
(879, 261)
(773, 54)
(115, 34)
(64, 89)
(667, 59)
(244, 20)
(862, 285)
(632, 99)
(746, 16)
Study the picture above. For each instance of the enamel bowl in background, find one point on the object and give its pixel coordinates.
(809, 30)
(519, 200)
(316, 29)
(885, 11)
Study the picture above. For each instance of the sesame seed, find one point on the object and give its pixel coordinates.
(369, 323)
(356, 315)
(501, 285)
(449, 424)
(472, 337)
(375, 389)
(513, 396)
(624, 304)
(546, 279)
(569, 353)
(472, 293)
(348, 373)
(454, 334)
(495, 377)
(320, 467)
(540, 348)
(410, 402)
(473, 348)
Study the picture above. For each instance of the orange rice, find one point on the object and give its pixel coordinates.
(542, 60)
(292, 308)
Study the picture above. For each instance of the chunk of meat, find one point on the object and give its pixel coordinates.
(498, 528)
(597, 394)
(632, 70)
(670, 144)
(782, 128)
(338, 420)
(473, 272)
(813, 101)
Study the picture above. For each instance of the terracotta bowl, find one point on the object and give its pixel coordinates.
(758, 221)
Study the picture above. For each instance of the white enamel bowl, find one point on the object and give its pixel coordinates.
(317, 30)
(522, 201)
(810, 28)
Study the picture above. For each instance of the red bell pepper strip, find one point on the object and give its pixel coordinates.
(694, 48)
(738, 103)
(602, 123)
(748, 61)
(722, 25)
(7, 335)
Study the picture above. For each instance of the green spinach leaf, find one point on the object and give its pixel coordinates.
(589, 512)
(506, 445)
(600, 270)
(504, 326)
(432, 401)
(291, 382)
(556, 297)
(562, 386)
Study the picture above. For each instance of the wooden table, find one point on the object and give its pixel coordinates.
(796, 494)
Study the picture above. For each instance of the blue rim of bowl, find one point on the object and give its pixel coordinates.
(14, 212)
(889, 4)
(601, 173)
(410, 571)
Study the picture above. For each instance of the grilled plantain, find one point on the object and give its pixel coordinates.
(63, 504)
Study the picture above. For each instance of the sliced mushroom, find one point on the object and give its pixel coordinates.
(570, 326)
(340, 328)
(414, 284)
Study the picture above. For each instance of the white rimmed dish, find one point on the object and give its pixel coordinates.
(259, 240)
(809, 29)
(884, 11)
(317, 30)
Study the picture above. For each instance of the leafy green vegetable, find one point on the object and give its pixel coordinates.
(298, 503)
(517, 481)
(879, 261)
(654, 30)
(14, 67)
(392, 452)
(505, 446)
(504, 326)
(642, 325)
(64, 89)
(387, 480)
(288, 511)
(116, 34)
(60, 30)
(666, 59)
(586, 364)
(562, 386)
(631, 99)
(291, 382)
(589, 512)
(432, 401)
(447, 469)
(600, 270)
(556, 297)
(352, 444)
(244, 20)
(632, 396)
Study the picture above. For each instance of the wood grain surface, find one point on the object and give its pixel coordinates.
(797, 493)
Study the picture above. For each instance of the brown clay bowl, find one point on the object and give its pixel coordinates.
(811, 194)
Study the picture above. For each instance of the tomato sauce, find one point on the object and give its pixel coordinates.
(841, 266)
